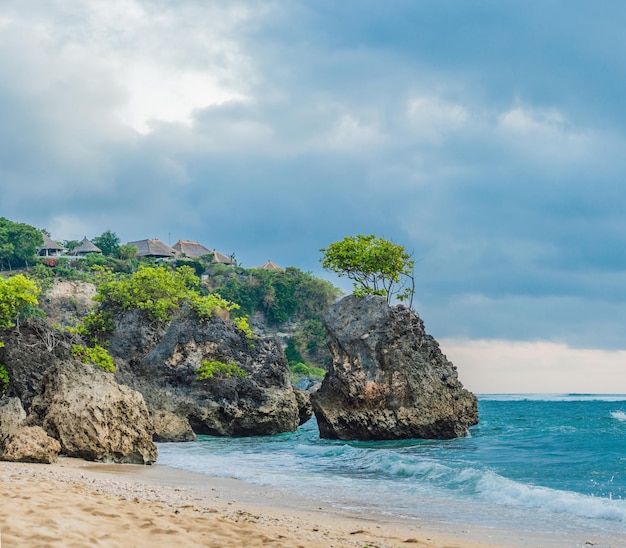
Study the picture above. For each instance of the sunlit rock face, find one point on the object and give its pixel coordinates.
(388, 379)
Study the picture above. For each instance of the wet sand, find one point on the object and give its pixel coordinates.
(80, 503)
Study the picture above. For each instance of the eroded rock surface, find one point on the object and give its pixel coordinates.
(389, 378)
(19, 443)
(169, 427)
(163, 366)
(92, 416)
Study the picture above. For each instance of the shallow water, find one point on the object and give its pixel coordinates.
(534, 462)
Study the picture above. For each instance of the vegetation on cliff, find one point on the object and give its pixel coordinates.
(289, 301)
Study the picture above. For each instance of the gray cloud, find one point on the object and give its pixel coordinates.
(487, 140)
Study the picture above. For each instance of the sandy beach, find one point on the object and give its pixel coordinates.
(79, 503)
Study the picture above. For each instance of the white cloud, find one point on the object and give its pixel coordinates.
(351, 133)
(164, 62)
(431, 118)
(547, 136)
(499, 366)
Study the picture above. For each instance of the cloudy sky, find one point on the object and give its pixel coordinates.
(487, 137)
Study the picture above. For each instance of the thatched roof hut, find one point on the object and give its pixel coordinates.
(189, 249)
(85, 248)
(220, 258)
(269, 265)
(49, 248)
(153, 248)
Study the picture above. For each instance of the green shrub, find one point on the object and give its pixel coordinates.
(208, 305)
(304, 370)
(4, 380)
(209, 369)
(96, 355)
(18, 299)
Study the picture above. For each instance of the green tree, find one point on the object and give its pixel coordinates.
(127, 251)
(108, 242)
(71, 244)
(18, 298)
(18, 243)
(377, 266)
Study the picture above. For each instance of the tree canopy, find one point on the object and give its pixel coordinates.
(18, 243)
(108, 242)
(377, 266)
(18, 295)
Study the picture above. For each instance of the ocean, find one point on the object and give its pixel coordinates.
(542, 463)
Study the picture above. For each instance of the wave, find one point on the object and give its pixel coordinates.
(619, 415)
(424, 475)
(552, 397)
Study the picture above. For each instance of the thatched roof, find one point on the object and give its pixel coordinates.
(221, 258)
(153, 248)
(191, 249)
(269, 265)
(50, 244)
(86, 247)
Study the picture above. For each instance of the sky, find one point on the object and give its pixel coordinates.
(486, 137)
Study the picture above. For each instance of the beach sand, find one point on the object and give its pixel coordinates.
(80, 503)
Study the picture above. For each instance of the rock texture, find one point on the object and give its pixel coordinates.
(19, 443)
(28, 352)
(92, 416)
(163, 366)
(305, 408)
(389, 379)
(169, 427)
(29, 444)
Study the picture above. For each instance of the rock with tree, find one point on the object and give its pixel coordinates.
(184, 353)
(389, 378)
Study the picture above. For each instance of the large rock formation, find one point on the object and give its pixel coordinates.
(163, 366)
(389, 379)
(92, 416)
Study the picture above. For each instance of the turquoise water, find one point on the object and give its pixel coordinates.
(534, 462)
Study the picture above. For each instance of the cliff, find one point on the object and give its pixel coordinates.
(389, 378)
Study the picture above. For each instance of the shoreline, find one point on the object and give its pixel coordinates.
(80, 503)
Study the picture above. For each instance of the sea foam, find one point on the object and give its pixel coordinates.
(619, 415)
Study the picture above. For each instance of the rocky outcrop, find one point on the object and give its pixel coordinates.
(163, 366)
(19, 443)
(29, 444)
(169, 427)
(28, 351)
(92, 416)
(305, 408)
(12, 414)
(389, 378)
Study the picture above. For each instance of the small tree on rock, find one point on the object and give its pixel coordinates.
(377, 266)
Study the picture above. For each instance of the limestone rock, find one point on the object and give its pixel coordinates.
(28, 352)
(169, 427)
(29, 444)
(12, 414)
(164, 366)
(92, 416)
(19, 443)
(305, 408)
(389, 378)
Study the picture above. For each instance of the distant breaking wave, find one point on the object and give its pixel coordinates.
(619, 415)
(552, 397)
